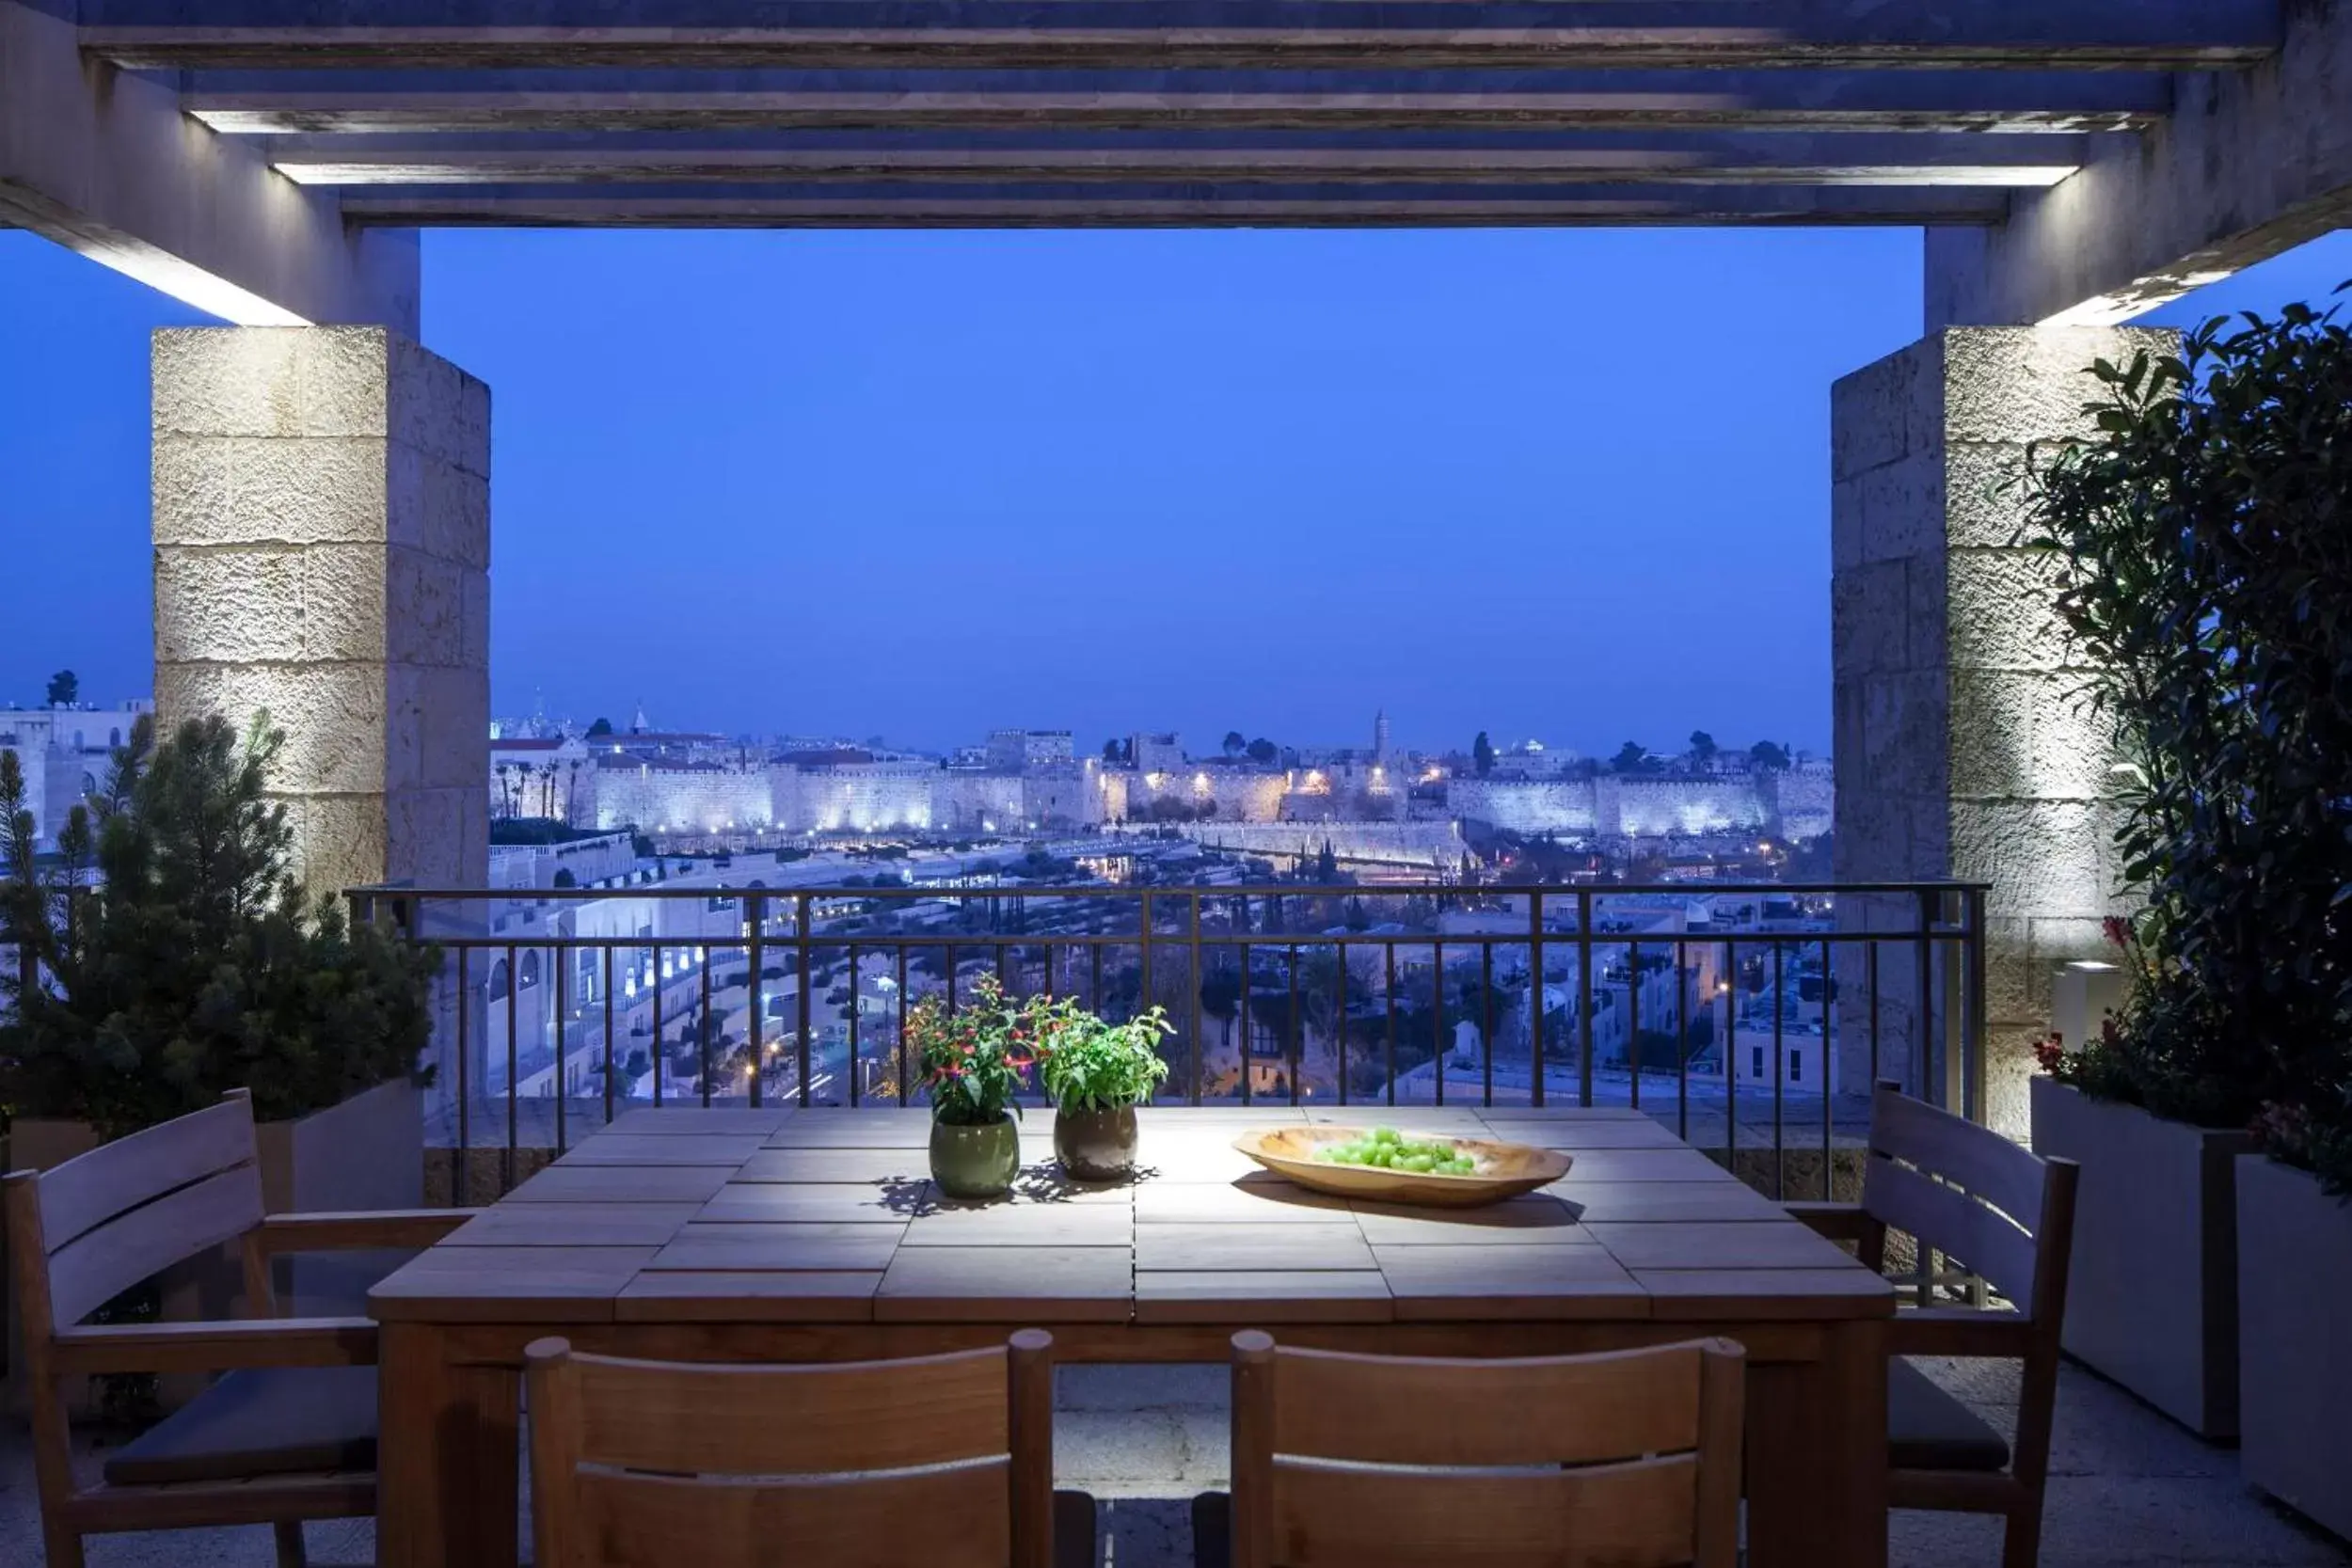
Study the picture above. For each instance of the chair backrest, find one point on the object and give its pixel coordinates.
(941, 1459)
(1629, 1458)
(2000, 1211)
(86, 1230)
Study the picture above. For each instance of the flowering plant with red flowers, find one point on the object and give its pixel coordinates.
(976, 1058)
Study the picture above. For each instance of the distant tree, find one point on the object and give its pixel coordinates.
(65, 689)
(1235, 744)
(564, 877)
(602, 726)
(1263, 751)
(1703, 747)
(1770, 757)
(1116, 751)
(1631, 757)
(1207, 810)
(1327, 865)
(1482, 755)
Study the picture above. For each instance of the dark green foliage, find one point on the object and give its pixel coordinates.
(1482, 755)
(1768, 757)
(602, 726)
(1263, 751)
(2203, 548)
(1632, 757)
(182, 959)
(65, 689)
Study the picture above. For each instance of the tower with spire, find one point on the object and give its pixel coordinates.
(1380, 737)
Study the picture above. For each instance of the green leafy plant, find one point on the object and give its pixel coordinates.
(1089, 1065)
(2202, 546)
(168, 954)
(976, 1058)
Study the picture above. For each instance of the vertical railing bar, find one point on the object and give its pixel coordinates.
(1829, 1054)
(1339, 951)
(1922, 950)
(1871, 974)
(1094, 998)
(1438, 1047)
(514, 991)
(1584, 996)
(1388, 991)
(558, 960)
(905, 1090)
(952, 967)
(1200, 1016)
(461, 1183)
(1780, 1071)
(1248, 977)
(661, 1045)
(702, 1023)
(804, 928)
(1487, 1019)
(1729, 989)
(1975, 1031)
(754, 1031)
(1633, 1018)
(1298, 1027)
(1535, 997)
(1143, 998)
(608, 1036)
(1682, 1038)
(857, 1064)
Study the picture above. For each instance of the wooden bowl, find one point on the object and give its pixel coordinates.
(1504, 1170)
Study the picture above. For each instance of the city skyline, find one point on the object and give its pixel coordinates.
(1011, 499)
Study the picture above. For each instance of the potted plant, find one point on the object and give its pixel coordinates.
(167, 954)
(2205, 572)
(974, 1060)
(1097, 1073)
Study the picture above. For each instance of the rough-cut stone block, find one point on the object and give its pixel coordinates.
(333, 715)
(424, 600)
(437, 719)
(325, 489)
(432, 410)
(1885, 411)
(2028, 384)
(2074, 742)
(342, 371)
(1992, 732)
(214, 382)
(342, 840)
(2009, 979)
(193, 479)
(1902, 508)
(344, 603)
(2001, 612)
(1925, 589)
(229, 604)
(2040, 856)
(437, 836)
(1870, 616)
(1984, 506)
(439, 508)
(1904, 720)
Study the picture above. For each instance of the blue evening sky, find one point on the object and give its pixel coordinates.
(1563, 484)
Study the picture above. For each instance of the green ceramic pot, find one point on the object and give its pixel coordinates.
(1097, 1146)
(976, 1162)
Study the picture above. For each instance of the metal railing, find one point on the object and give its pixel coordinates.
(559, 1008)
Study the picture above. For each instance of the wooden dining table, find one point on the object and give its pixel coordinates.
(783, 1234)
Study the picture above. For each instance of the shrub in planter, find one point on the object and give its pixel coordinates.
(169, 954)
(1097, 1074)
(2202, 542)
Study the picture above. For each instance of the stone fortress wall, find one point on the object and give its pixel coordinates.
(1795, 804)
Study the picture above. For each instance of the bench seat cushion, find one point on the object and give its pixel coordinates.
(258, 1421)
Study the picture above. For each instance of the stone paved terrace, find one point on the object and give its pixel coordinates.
(2127, 1486)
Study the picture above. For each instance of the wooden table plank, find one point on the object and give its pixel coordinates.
(748, 1298)
(616, 1149)
(1529, 1219)
(1576, 1137)
(1008, 1284)
(1189, 1248)
(698, 1120)
(1679, 1163)
(893, 1129)
(738, 1249)
(621, 1185)
(573, 1225)
(840, 1202)
(521, 1284)
(1254, 1298)
(834, 1165)
(1024, 1225)
(1766, 1295)
(1664, 1202)
(1178, 1157)
(1702, 1245)
(1261, 1197)
(1561, 1113)
(1481, 1283)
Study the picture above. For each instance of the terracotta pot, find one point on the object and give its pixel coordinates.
(976, 1162)
(1097, 1146)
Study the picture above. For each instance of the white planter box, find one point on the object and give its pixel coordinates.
(2295, 1357)
(366, 1153)
(2151, 1298)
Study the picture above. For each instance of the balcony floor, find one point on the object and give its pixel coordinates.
(2126, 1486)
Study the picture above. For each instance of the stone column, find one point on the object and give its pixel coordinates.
(1964, 746)
(322, 512)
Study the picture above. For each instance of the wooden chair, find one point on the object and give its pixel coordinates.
(945, 1460)
(289, 1433)
(1627, 1457)
(2008, 1216)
